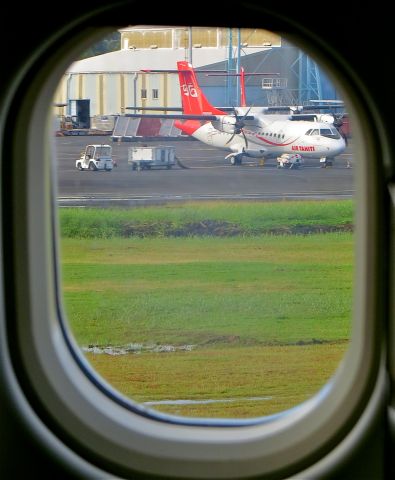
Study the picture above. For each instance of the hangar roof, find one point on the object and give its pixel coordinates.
(133, 60)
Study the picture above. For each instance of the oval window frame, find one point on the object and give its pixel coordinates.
(85, 413)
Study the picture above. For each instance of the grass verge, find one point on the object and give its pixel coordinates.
(266, 317)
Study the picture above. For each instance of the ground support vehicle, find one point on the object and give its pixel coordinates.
(288, 160)
(145, 158)
(95, 157)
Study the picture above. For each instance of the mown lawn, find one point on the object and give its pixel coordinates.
(243, 382)
(266, 316)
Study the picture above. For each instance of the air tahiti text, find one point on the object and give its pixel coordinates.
(300, 148)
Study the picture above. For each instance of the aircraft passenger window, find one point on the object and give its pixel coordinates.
(187, 285)
(195, 301)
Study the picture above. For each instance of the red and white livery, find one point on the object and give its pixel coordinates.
(250, 132)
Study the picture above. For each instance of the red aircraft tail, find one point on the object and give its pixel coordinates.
(242, 88)
(194, 102)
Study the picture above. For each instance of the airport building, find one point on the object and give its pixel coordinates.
(97, 90)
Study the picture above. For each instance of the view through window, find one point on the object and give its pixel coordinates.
(207, 261)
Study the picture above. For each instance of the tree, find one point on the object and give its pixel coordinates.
(110, 43)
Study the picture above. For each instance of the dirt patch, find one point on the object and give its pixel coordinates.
(135, 348)
(222, 339)
(212, 341)
(310, 229)
(209, 228)
(216, 228)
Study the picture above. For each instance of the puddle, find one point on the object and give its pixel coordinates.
(136, 348)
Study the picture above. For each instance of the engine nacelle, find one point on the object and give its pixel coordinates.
(227, 124)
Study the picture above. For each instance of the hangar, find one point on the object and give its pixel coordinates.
(98, 89)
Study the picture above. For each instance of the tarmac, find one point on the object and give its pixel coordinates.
(202, 174)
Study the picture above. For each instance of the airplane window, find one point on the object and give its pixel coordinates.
(187, 285)
(199, 275)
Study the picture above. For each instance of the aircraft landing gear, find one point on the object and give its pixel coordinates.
(236, 160)
(326, 162)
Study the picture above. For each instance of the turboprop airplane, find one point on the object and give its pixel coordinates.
(249, 131)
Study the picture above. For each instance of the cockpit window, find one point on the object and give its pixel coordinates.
(329, 132)
(324, 132)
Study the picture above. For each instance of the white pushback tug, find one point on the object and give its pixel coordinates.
(95, 157)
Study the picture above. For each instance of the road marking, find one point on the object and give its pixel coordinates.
(105, 199)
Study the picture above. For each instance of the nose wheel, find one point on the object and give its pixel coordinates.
(326, 162)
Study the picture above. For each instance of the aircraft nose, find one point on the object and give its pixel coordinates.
(338, 147)
(342, 145)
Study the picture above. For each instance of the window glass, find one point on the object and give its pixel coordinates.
(329, 132)
(208, 278)
(325, 131)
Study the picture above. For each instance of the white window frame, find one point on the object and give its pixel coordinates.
(98, 422)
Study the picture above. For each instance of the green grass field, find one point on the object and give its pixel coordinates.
(220, 318)
(241, 218)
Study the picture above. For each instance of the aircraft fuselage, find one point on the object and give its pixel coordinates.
(309, 139)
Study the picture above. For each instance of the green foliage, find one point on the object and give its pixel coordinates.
(110, 43)
(211, 218)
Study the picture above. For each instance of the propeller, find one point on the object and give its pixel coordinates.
(239, 125)
(338, 119)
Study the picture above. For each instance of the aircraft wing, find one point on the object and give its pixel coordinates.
(173, 116)
(170, 109)
(156, 109)
(182, 116)
(301, 108)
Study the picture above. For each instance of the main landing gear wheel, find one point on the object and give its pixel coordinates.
(236, 160)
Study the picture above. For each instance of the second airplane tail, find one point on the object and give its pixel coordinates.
(194, 102)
